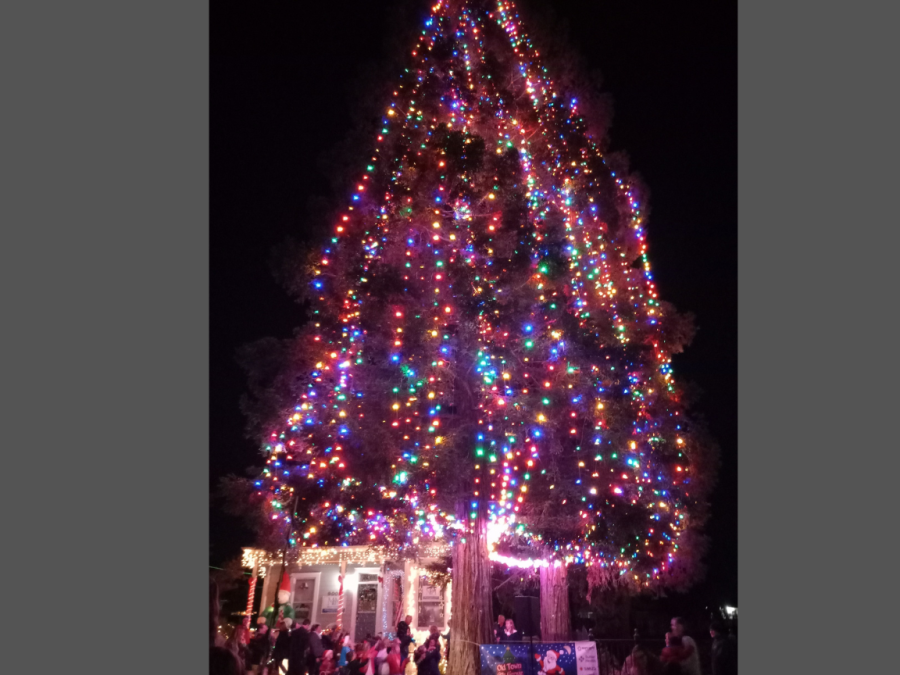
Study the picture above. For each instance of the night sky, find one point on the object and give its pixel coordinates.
(281, 99)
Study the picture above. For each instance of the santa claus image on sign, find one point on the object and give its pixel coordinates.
(548, 664)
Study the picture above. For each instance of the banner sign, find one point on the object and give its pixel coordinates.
(586, 657)
(506, 659)
(539, 658)
(330, 602)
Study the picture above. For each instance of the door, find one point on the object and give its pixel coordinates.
(366, 606)
(431, 607)
(304, 596)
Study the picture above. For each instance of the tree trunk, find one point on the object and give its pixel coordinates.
(555, 621)
(471, 601)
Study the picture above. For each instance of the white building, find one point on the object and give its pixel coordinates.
(377, 592)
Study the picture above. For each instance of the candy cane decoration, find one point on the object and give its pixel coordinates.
(340, 609)
(251, 595)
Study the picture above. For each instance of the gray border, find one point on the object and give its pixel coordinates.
(817, 105)
(104, 257)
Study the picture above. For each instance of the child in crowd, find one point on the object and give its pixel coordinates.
(360, 661)
(328, 666)
(673, 653)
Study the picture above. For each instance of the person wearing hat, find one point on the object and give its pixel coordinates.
(285, 611)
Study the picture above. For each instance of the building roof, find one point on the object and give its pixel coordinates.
(332, 555)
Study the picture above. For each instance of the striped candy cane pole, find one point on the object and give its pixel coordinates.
(340, 609)
(251, 595)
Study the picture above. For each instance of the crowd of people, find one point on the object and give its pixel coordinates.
(505, 630)
(680, 656)
(301, 648)
(304, 649)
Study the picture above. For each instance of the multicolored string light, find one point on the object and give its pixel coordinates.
(487, 329)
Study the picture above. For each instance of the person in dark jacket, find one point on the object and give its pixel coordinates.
(510, 634)
(316, 650)
(327, 641)
(282, 650)
(223, 661)
(498, 627)
(404, 634)
(360, 662)
(297, 661)
(428, 664)
(259, 647)
(724, 651)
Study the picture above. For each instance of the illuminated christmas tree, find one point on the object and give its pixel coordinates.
(488, 361)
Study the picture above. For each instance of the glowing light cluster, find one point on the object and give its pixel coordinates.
(327, 555)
